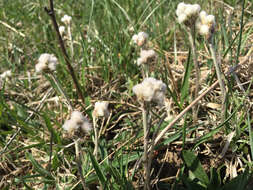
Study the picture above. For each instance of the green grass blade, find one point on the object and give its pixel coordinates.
(185, 84)
(39, 168)
(98, 170)
(250, 135)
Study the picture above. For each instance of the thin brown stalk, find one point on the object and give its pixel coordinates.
(51, 13)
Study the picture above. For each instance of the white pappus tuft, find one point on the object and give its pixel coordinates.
(77, 121)
(151, 89)
(66, 19)
(46, 62)
(101, 109)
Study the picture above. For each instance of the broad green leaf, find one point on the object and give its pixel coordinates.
(195, 166)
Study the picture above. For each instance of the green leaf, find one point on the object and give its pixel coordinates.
(195, 166)
(214, 131)
(55, 135)
(250, 135)
(185, 85)
(39, 168)
(98, 170)
(238, 183)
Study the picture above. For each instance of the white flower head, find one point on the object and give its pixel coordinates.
(6, 74)
(70, 126)
(150, 89)
(86, 126)
(204, 29)
(77, 121)
(146, 56)
(77, 116)
(206, 24)
(101, 109)
(66, 19)
(46, 62)
(187, 13)
(140, 38)
(62, 30)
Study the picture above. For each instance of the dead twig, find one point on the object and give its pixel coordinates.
(51, 13)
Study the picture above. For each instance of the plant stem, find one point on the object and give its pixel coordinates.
(95, 137)
(145, 144)
(79, 164)
(220, 77)
(71, 41)
(196, 66)
(51, 13)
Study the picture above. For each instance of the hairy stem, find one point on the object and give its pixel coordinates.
(71, 41)
(95, 137)
(145, 144)
(197, 70)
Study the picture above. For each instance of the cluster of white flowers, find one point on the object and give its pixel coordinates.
(66, 19)
(76, 122)
(62, 30)
(151, 89)
(190, 15)
(140, 39)
(145, 56)
(205, 24)
(101, 109)
(6, 74)
(46, 62)
(187, 13)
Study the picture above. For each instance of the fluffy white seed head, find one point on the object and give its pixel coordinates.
(140, 38)
(62, 30)
(180, 8)
(77, 121)
(187, 13)
(77, 116)
(202, 15)
(101, 109)
(86, 126)
(135, 38)
(6, 74)
(46, 62)
(66, 19)
(70, 126)
(150, 89)
(182, 18)
(210, 19)
(206, 24)
(145, 56)
(204, 30)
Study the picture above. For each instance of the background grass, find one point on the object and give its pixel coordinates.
(105, 63)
